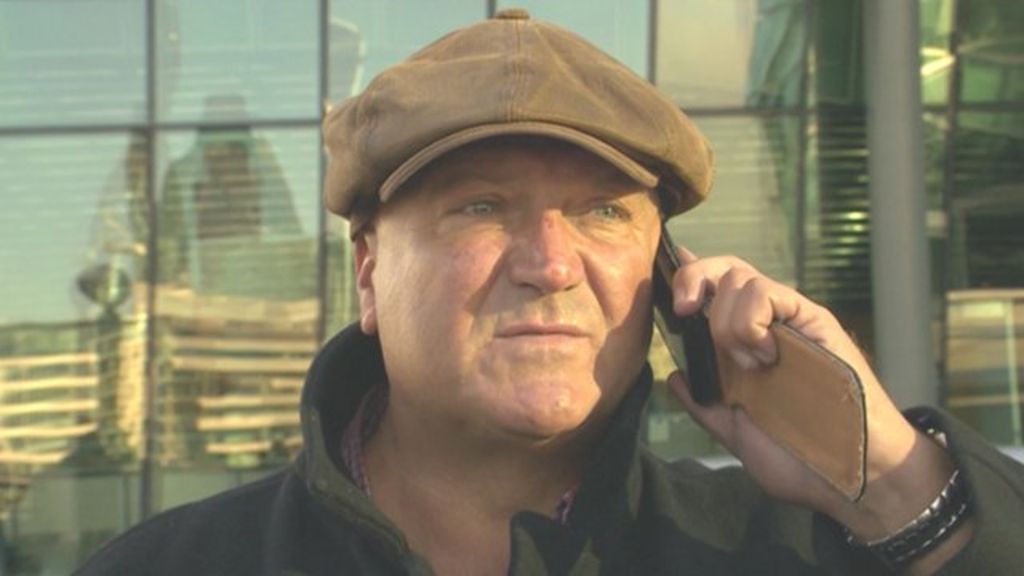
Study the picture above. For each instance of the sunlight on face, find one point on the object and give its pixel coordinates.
(511, 286)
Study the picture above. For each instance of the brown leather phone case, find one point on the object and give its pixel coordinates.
(811, 402)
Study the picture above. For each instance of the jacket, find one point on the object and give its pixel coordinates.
(634, 513)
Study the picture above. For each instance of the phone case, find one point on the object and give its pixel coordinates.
(811, 402)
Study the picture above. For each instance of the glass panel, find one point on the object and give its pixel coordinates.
(751, 211)
(991, 51)
(233, 60)
(837, 236)
(619, 27)
(987, 201)
(984, 358)
(836, 266)
(757, 47)
(837, 64)
(985, 315)
(366, 36)
(838, 248)
(936, 60)
(72, 345)
(70, 62)
(237, 306)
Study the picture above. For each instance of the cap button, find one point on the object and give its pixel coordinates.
(512, 14)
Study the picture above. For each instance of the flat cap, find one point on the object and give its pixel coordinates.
(509, 75)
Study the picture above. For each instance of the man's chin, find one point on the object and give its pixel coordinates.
(542, 428)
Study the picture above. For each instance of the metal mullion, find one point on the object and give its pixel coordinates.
(952, 110)
(254, 123)
(492, 8)
(961, 106)
(652, 41)
(737, 111)
(149, 426)
(322, 244)
(16, 131)
(800, 250)
(86, 129)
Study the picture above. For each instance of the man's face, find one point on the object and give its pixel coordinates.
(509, 283)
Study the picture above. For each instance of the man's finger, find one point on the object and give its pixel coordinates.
(686, 255)
(698, 277)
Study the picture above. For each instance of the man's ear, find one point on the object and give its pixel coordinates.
(366, 260)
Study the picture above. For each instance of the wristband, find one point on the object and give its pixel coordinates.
(929, 529)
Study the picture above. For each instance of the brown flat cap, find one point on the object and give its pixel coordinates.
(509, 75)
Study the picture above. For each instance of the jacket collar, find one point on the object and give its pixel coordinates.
(351, 363)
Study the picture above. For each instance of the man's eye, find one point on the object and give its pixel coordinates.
(480, 208)
(609, 212)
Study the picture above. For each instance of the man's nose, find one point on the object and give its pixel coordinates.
(545, 254)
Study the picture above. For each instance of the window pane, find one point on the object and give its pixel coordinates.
(370, 35)
(237, 305)
(838, 252)
(70, 62)
(987, 200)
(72, 344)
(991, 50)
(985, 315)
(619, 27)
(936, 60)
(233, 60)
(751, 210)
(757, 46)
(837, 66)
(984, 352)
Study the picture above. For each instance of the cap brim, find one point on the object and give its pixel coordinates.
(421, 159)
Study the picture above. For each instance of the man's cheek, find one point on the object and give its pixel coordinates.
(625, 293)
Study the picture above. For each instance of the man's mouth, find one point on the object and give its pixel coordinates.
(540, 329)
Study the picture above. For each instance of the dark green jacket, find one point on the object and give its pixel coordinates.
(634, 513)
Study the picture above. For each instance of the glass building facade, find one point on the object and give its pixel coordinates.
(168, 271)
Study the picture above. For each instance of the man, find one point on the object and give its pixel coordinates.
(506, 187)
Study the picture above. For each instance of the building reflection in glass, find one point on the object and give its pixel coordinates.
(985, 347)
(236, 306)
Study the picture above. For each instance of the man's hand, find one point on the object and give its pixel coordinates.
(905, 469)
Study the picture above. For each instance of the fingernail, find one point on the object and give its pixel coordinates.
(682, 298)
(680, 301)
(694, 291)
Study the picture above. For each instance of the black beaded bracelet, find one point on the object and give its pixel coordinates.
(922, 534)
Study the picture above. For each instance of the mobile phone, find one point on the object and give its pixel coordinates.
(688, 338)
(810, 401)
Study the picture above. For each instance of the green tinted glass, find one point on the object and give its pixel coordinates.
(70, 62)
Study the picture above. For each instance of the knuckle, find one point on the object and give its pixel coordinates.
(747, 330)
(738, 263)
(733, 279)
(722, 330)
